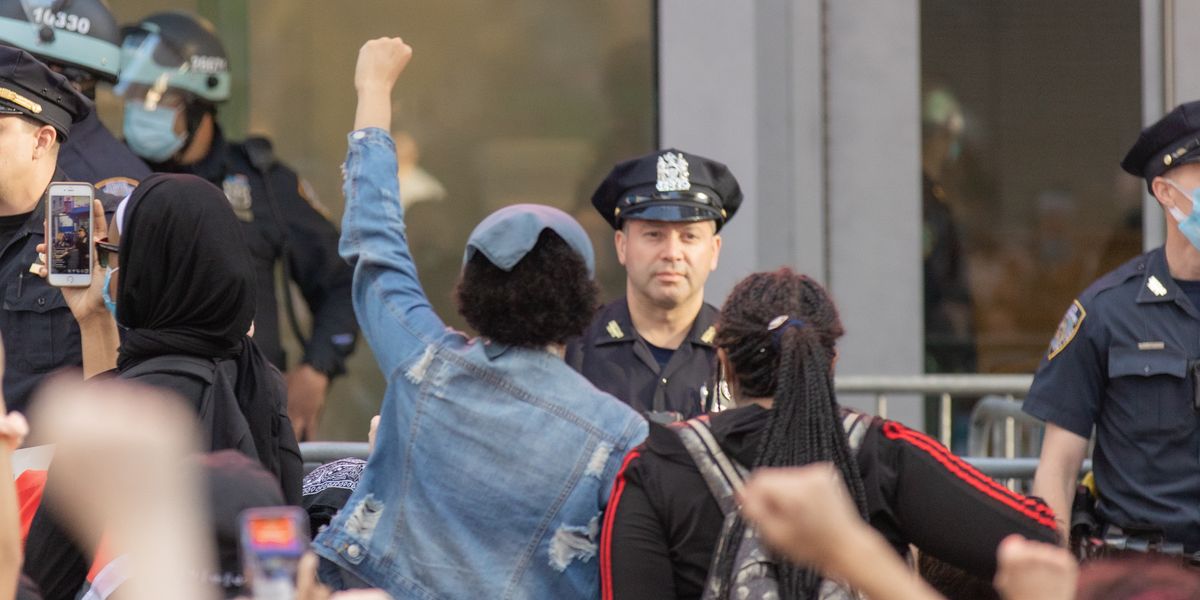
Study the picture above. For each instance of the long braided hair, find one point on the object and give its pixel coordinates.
(778, 332)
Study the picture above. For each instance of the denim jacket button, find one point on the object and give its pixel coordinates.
(358, 135)
(354, 551)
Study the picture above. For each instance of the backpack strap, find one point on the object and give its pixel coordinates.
(723, 476)
(204, 369)
(856, 425)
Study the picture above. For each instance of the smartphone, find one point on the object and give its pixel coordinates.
(273, 540)
(69, 223)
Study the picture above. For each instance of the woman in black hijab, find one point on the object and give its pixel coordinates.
(184, 303)
(176, 316)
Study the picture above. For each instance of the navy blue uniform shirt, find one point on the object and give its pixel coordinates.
(93, 155)
(617, 360)
(40, 333)
(1121, 361)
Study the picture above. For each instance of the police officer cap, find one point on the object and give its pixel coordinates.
(1171, 141)
(507, 235)
(28, 87)
(669, 185)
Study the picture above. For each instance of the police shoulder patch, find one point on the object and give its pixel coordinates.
(1067, 328)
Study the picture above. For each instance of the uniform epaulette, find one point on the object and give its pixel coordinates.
(1134, 268)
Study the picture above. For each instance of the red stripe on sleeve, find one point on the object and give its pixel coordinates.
(30, 484)
(1026, 506)
(606, 589)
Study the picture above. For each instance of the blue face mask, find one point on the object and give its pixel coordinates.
(1189, 225)
(151, 133)
(108, 299)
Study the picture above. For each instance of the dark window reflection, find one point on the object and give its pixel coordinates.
(1027, 107)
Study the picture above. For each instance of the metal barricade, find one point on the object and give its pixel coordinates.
(998, 410)
(1009, 387)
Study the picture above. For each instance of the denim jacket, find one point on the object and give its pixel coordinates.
(492, 465)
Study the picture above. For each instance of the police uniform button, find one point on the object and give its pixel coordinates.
(1146, 369)
(41, 301)
(664, 380)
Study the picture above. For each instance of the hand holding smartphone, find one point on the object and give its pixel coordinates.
(69, 226)
(273, 540)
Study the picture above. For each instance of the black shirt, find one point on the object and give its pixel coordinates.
(667, 523)
(661, 355)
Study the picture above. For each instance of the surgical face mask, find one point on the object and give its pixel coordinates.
(108, 299)
(1189, 225)
(151, 133)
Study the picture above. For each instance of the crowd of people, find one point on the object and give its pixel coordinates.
(653, 447)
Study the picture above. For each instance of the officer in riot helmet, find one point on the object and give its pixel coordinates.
(174, 73)
(80, 40)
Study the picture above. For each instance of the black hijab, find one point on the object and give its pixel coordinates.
(187, 278)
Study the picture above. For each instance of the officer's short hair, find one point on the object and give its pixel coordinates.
(546, 298)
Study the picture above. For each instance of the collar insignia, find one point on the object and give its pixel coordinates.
(673, 175)
(614, 330)
(709, 335)
(1156, 287)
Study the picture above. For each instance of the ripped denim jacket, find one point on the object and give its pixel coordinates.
(493, 464)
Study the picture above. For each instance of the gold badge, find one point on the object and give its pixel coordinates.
(614, 330)
(1156, 287)
(709, 335)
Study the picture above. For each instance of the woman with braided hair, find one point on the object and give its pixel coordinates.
(776, 339)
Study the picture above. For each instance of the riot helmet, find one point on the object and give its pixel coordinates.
(79, 38)
(172, 63)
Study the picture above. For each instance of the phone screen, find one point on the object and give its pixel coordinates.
(273, 534)
(70, 243)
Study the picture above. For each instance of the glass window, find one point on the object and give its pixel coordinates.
(1027, 108)
(522, 101)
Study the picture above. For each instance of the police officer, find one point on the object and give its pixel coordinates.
(81, 40)
(38, 109)
(1123, 361)
(654, 348)
(174, 73)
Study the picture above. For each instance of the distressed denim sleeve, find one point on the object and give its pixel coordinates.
(392, 309)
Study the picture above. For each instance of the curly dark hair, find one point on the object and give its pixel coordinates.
(547, 298)
(794, 365)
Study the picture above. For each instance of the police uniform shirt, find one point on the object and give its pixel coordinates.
(617, 360)
(40, 333)
(1121, 361)
(93, 155)
(323, 277)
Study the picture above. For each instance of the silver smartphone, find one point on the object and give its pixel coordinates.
(69, 222)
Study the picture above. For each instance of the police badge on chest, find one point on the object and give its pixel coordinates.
(237, 189)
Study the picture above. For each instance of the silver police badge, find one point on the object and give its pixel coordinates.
(237, 189)
(673, 173)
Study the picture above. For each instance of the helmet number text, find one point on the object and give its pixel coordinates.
(62, 20)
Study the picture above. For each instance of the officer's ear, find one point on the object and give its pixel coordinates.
(1161, 190)
(46, 142)
(619, 239)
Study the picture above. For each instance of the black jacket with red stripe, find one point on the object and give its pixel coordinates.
(664, 524)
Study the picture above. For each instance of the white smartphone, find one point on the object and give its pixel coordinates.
(69, 229)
